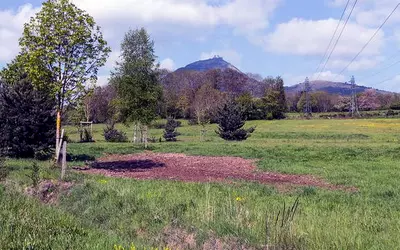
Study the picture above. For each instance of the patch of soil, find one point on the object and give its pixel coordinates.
(49, 191)
(181, 167)
(179, 238)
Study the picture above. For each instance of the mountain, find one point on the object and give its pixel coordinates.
(216, 71)
(213, 63)
(339, 88)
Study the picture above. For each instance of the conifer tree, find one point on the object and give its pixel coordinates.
(170, 132)
(231, 122)
(27, 120)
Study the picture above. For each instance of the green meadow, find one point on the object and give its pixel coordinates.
(111, 213)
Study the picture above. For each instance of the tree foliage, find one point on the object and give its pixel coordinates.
(206, 103)
(275, 98)
(62, 48)
(27, 120)
(14, 71)
(369, 100)
(136, 78)
(231, 122)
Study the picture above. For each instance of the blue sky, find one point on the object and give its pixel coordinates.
(268, 37)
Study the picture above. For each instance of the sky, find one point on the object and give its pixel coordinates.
(269, 37)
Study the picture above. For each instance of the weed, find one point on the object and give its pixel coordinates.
(279, 228)
(3, 169)
(34, 175)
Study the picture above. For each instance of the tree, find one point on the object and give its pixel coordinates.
(14, 71)
(170, 132)
(101, 105)
(205, 105)
(27, 120)
(231, 122)
(136, 80)
(369, 100)
(252, 108)
(323, 101)
(275, 98)
(62, 49)
(343, 104)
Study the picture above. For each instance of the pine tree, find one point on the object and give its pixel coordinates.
(231, 122)
(27, 120)
(170, 132)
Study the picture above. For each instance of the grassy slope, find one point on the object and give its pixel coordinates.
(361, 153)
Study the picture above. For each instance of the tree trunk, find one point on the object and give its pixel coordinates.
(58, 129)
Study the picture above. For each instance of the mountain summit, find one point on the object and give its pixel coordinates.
(216, 62)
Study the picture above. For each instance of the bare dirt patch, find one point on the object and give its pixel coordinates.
(181, 167)
(49, 191)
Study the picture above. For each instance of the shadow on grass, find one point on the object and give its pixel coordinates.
(130, 166)
(80, 157)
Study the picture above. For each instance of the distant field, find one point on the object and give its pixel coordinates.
(101, 212)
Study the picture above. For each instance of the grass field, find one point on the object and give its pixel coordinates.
(102, 212)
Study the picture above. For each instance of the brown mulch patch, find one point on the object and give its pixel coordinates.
(181, 167)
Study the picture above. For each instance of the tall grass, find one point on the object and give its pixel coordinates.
(360, 153)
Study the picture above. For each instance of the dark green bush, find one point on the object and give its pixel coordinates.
(27, 120)
(86, 136)
(395, 106)
(113, 135)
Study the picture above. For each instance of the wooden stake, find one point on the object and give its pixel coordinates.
(145, 137)
(59, 143)
(64, 160)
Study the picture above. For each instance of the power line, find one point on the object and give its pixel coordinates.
(337, 40)
(380, 71)
(387, 79)
(333, 36)
(369, 41)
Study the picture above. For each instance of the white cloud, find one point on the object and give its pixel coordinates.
(168, 64)
(11, 25)
(189, 12)
(102, 80)
(229, 55)
(389, 84)
(329, 76)
(372, 12)
(363, 63)
(290, 79)
(308, 37)
(112, 59)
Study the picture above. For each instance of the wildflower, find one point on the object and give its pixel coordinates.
(239, 198)
(102, 181)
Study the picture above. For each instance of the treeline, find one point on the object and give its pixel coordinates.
(321, 101)
(197, 96)
(197, 99)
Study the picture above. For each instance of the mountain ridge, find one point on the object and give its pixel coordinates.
(340, 88)
(218, 63)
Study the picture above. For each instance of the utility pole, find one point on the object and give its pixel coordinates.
(307, 106)
(354, 104)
